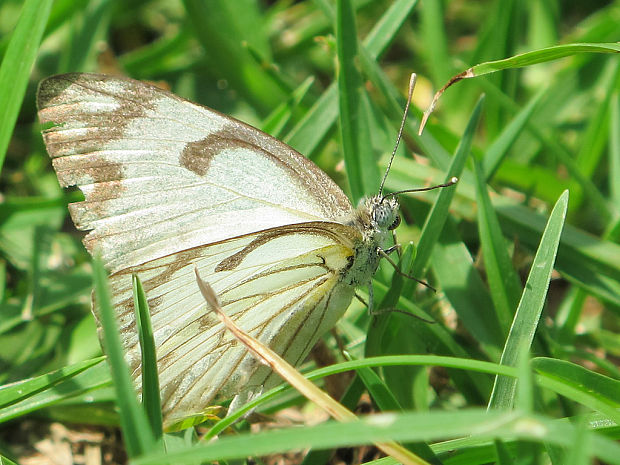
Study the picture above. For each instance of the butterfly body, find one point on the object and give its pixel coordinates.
(169, 186)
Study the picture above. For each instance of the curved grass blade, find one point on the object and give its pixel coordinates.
(386, 401)
(150, 379)
(531, 304)
(18, 60)
(136, 431)
(518, 61)
(541, 56)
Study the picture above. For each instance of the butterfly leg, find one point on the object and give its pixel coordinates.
(371, 297)
(391, 249)
(384, 254)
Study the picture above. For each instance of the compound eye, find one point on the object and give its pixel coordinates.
(395, 223)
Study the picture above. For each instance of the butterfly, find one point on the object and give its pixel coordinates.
(170, 186)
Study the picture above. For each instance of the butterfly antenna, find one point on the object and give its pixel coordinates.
(412, 81)
(453, 180)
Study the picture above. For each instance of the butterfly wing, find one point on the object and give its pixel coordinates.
(161, 174)
(169, 185)
(283, 286)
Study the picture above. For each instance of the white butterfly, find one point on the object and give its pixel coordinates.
(170, 185)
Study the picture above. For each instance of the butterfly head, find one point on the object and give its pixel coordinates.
(377, 216)
(384, 213)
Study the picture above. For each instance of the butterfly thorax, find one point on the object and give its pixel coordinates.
(375, 218)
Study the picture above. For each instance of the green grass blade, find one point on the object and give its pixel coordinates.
(603, 387)
(95, 377)
(18, 60)
(314, 126)
(531, 304)
(136, 431)
(476, 425)
(497, 151)
(6, 461)
(614, 150)
(89, 29)
(384, 31)
(17, 392)
(222, 27)
(541, 56)
(360, 163)
(525, 384)
(453, 270)
(503, 280)
(150, 379)
(437, 216)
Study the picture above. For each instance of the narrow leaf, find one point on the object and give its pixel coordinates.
(136, 431)
(17, 63)
(503, 280)
(437, 216)
(531, 304)
(150, 379)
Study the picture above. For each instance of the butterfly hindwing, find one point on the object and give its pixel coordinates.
(282, 286)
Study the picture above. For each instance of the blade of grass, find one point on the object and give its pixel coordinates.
(18, 60)
(312, 129)
(88, 29)
(429, 426)
(498, 149)
(136, 431)
(525, 391)
(503, 280)
(454, 270)
(150, 378)
(6, 461)
(531, 304)
(541, 56)
(95, 377)
(437, 216)
(614, 150)
(360, 163)
(17, 392)
(602, 387)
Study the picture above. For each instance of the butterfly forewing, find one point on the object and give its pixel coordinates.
(161, 174)
(282, 286)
